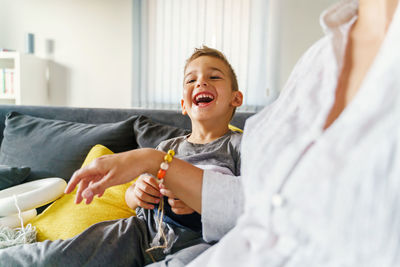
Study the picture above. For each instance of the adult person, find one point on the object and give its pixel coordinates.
(320, 166)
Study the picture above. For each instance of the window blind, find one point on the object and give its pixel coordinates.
(167, 32)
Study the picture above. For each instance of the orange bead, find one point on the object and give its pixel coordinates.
(161, 174)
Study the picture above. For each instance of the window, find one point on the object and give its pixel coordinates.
(166, 33)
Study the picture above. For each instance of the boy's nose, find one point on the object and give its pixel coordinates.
(201, 83)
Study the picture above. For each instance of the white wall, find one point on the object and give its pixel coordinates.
(92, 61)
(299, 28)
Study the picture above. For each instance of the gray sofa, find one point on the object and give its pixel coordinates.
(53, 141)
(104, 115)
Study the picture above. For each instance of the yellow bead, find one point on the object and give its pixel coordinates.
(171, 152)
(168, 158)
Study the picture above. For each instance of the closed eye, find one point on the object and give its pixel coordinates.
(215, 77)
(190, 81)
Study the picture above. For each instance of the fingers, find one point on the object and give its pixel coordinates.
(179, 207)
(92, 172)
(82, 186)
(91, 180)
(148, 184)
(184, 211)
(103, 172)
(166, 192)
(76, 178)
(94, 188)
(176, 203)
(87, 189)
(83, 181)
(146, 191)
(145, 204)
(144, 197)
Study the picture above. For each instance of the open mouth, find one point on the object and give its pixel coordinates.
(202, 99)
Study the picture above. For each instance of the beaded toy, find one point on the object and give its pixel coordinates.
(160, 212)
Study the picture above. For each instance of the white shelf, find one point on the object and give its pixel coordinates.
(7, 96)
(30, 85)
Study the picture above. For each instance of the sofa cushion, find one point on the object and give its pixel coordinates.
(55, 148)
(10, 176)
(149, 133)
(64, 219)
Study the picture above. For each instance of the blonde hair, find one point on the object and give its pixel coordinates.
(211, 52)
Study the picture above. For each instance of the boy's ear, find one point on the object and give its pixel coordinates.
(237, 99)
(184, 112)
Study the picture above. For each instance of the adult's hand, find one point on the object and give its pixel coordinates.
(105, 172)
(182, 177)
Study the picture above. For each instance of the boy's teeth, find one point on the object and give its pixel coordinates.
(204, 98)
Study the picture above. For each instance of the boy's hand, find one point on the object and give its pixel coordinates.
(177, 205)
(146, 191)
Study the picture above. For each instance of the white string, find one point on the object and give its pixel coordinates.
(170, 238)
(29, 228)
(19, 211)
(11, 237)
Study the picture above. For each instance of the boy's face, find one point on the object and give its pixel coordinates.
(207, 92)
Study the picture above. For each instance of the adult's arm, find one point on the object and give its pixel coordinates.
(184, 179)
(222, 203)
(218, 197)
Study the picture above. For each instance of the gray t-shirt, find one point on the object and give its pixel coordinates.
(221, 155)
